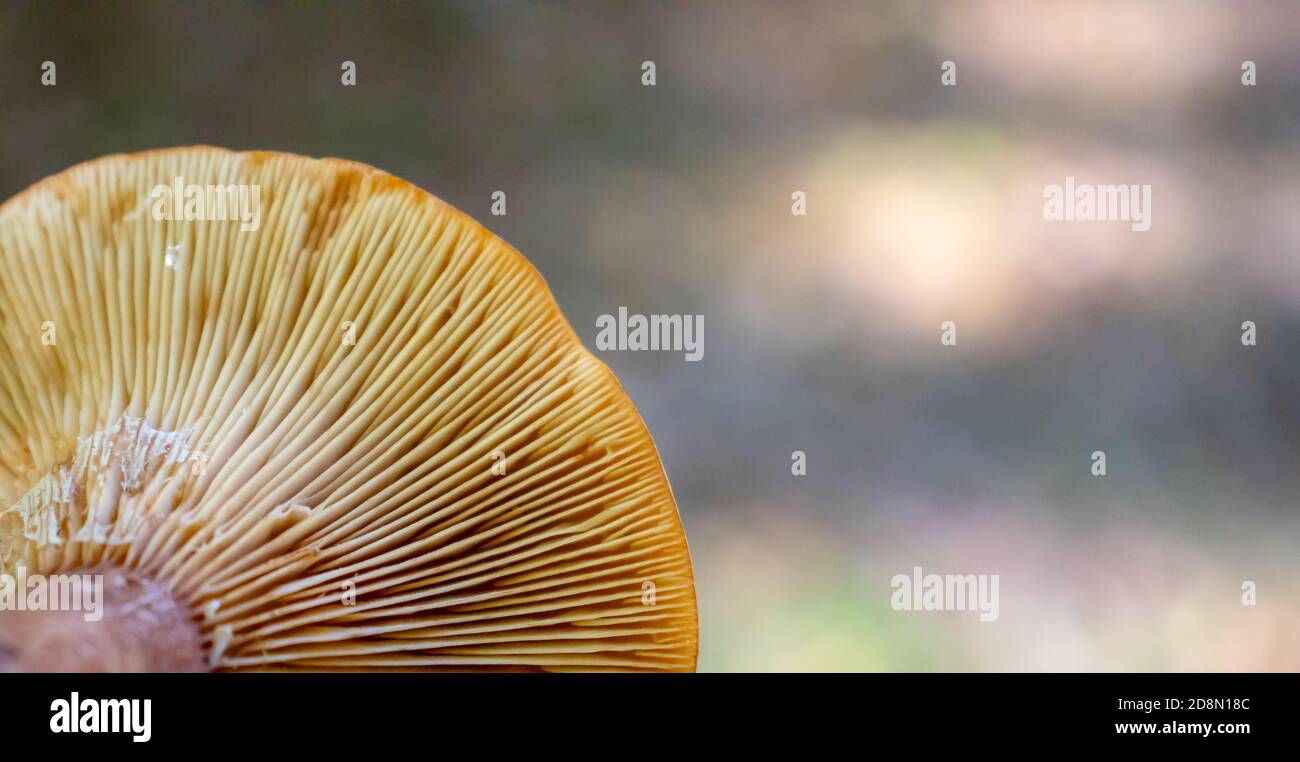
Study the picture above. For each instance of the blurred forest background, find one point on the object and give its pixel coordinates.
(822, 332)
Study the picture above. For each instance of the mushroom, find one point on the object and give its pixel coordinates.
(298, 414)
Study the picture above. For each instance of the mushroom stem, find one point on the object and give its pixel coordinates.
(126, 623)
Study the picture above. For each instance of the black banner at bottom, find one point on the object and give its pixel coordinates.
(207, 713)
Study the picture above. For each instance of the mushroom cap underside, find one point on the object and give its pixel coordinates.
(353, 431)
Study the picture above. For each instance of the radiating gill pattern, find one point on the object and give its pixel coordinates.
(346, 372)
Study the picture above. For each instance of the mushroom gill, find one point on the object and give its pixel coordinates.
(355, 433)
